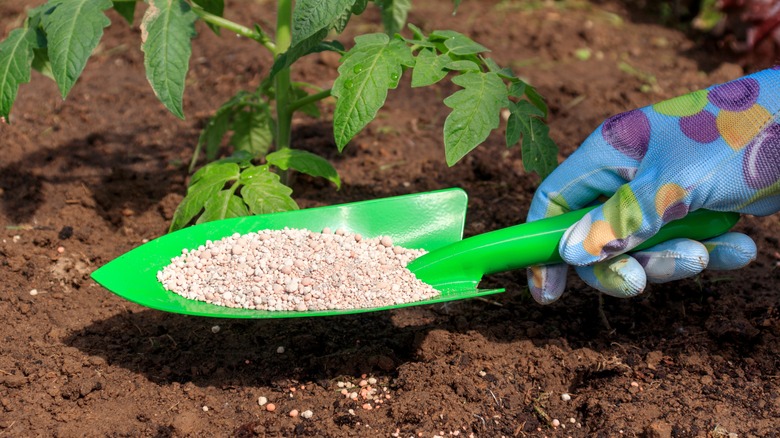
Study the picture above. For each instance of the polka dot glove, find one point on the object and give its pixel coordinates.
(717, 149)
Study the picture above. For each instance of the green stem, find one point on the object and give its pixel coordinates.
(283, 108)
(307, 85)
(309, 99)
(236, 28)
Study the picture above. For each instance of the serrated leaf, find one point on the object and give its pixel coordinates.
(457, 43)
(126, 10)
(394, 14)
(535, 98)
(429, 68)
(304, 162)
(312, 16)
(215, 7)
(205, 184)
(373, 66)
(540, 154)
(475, 112)
(252, 131)
(539, 151)
(263, 192)
(503, 72)
(462, 65)
(16, 56)
(73, 30)
(166, 31)
(223, 205)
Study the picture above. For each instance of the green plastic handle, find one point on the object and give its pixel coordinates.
(536, 243)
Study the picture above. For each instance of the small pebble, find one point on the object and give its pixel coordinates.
(215, 329)
(34, 292)
(307, 414)
(565, 396)
(556, 422)
(372, 381)
(205, 408)
(280, 350)
(262, 401)
(294, 413)
(61, 249)
(572, 420)
(482, 374)
(634, 384)
(367, 406)
(270, 407)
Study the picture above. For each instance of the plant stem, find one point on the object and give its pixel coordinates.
(283, 108)
(309, 99)
(236, 28)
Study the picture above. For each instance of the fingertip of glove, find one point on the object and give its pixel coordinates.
(546, 283)
(730, 251)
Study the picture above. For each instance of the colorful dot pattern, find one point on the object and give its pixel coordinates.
(717, 148)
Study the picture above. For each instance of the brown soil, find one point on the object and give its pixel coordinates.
(98, 173)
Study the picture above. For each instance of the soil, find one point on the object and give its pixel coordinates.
(102, 171)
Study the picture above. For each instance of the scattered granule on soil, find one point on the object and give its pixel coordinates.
(297, 270)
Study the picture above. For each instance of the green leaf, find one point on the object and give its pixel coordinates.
(462, 65)
(536, 98)
(126, 10)
(373, 66)
(504, 73)
(457, 43)
(341, 22)
(223, 205)
(305, 162)
(540, 154)
(215, 7)
(310, 45)
(216, 128)
(41, 63)
(73, 29)
(166, 31)
(429, 68)
(394, 14)
(263, 192)
(205, 184)
(16, 56)
(359, 6)
(514, 125)
(475, 112)
(253, 131)
(310, 17)
(310, 109)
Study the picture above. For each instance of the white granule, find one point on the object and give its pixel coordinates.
(297, 270)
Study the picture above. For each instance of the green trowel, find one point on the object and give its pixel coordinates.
(433, 221)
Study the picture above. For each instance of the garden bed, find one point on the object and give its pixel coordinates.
(87, 179)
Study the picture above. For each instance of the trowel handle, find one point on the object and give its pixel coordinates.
(536, 243)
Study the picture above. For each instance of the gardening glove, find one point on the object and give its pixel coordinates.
(717, 149)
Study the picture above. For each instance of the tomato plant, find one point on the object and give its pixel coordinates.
(58, 37)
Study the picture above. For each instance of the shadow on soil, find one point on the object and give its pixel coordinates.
(118, 171)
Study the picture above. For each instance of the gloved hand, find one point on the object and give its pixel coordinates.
(717, 149)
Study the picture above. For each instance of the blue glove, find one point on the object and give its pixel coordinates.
(717, 149)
